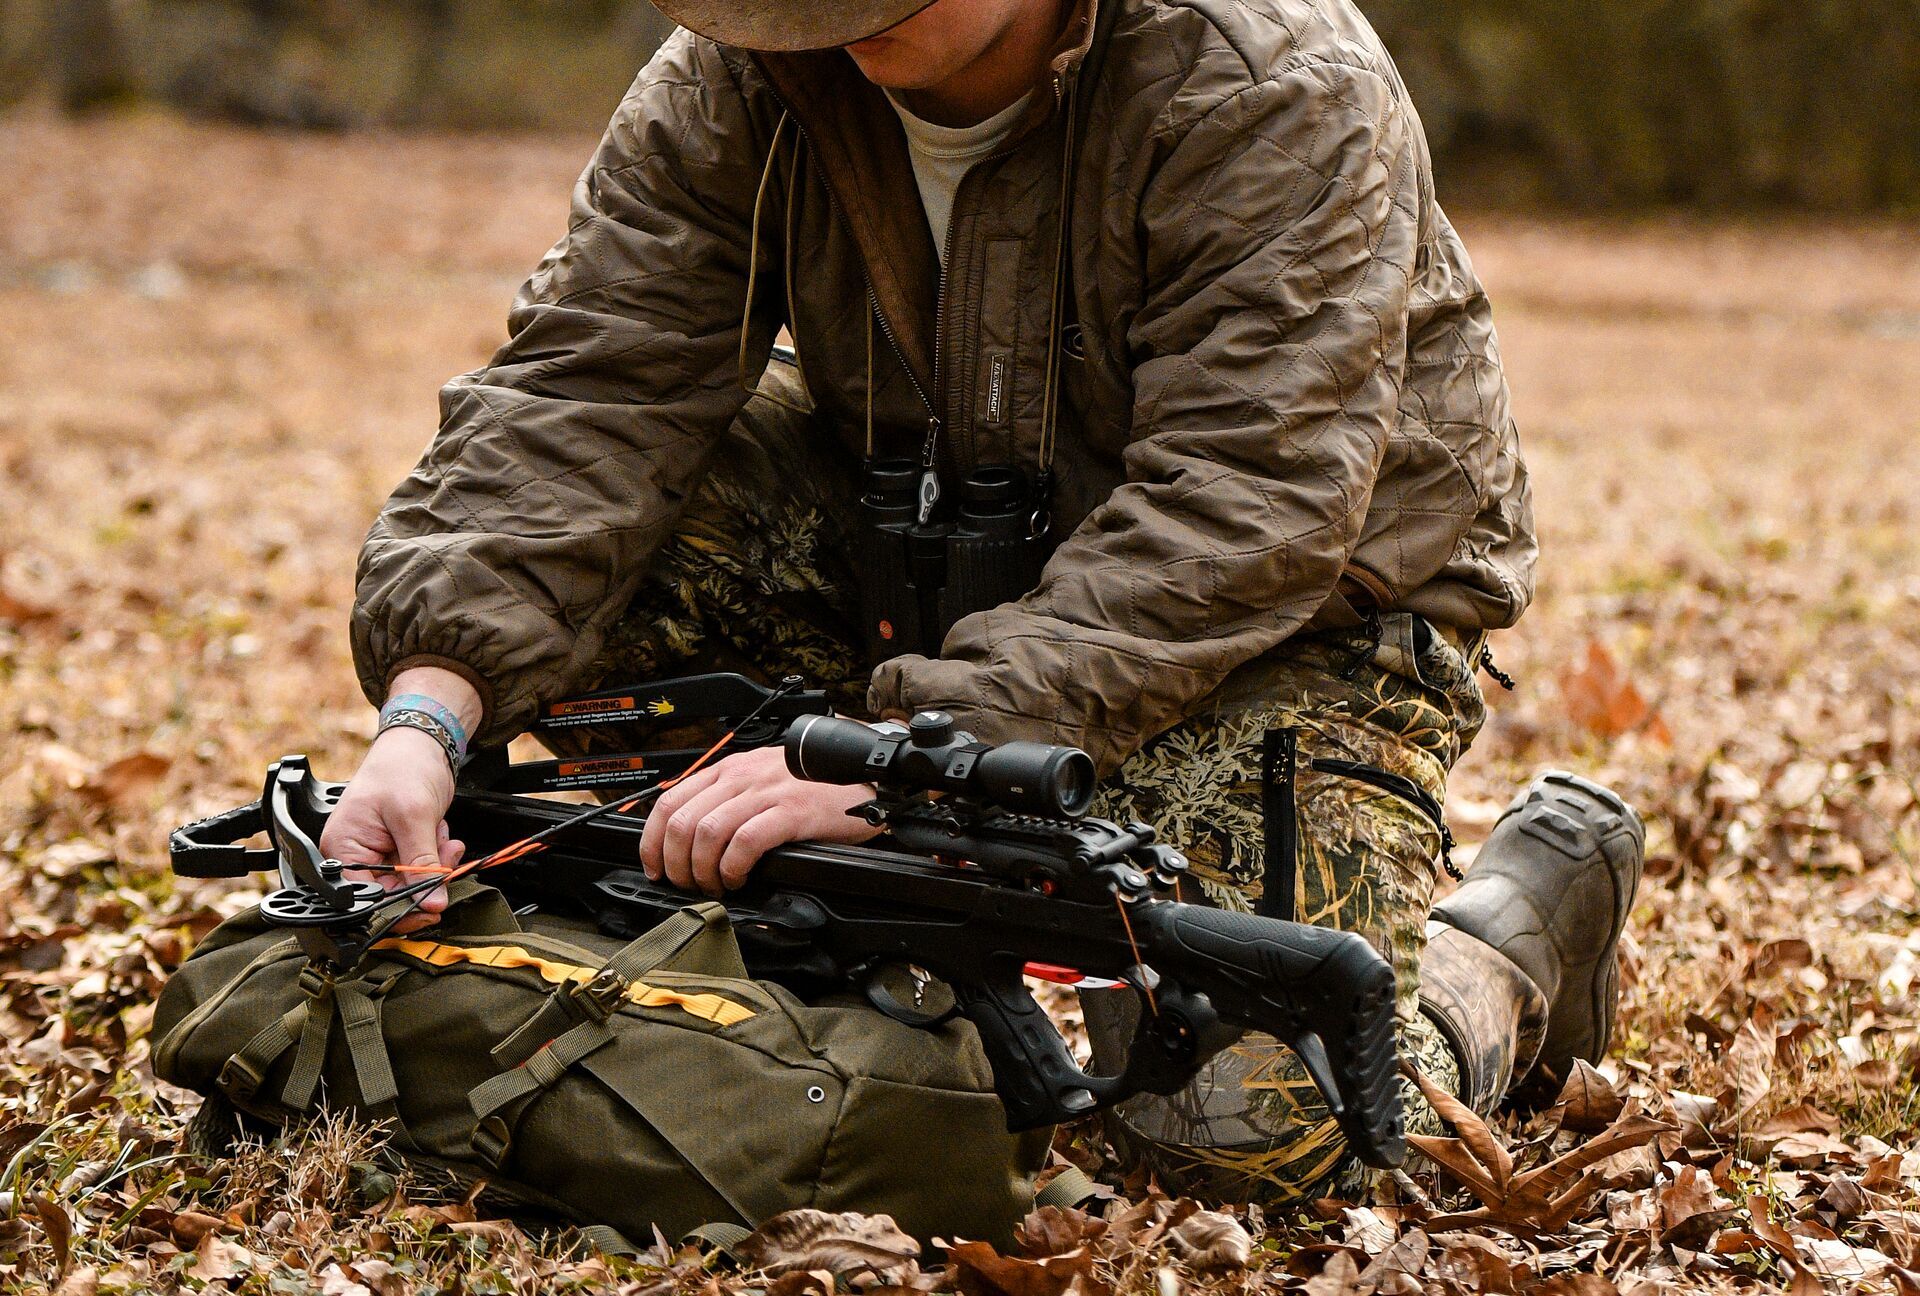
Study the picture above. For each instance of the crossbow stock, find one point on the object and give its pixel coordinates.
(1000, 878)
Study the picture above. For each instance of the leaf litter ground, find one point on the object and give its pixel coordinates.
(216, 374)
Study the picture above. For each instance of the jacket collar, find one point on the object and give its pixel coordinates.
(856, 139)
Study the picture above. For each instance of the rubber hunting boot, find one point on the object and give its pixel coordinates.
(1548, 897)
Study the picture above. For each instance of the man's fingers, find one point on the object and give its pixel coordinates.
(654, 835)
(416, 841)
(772, 827)
(676, 846)
(713, 836)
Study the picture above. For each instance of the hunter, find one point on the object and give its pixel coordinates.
(1181, 261)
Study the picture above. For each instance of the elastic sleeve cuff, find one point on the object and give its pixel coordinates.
(464, 671)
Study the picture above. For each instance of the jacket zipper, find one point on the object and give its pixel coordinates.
(936, 411)
(946, 259)
(873, 302)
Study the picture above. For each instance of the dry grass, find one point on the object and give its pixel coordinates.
(224, 349)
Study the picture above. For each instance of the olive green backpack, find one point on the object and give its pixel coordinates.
(632, 1086)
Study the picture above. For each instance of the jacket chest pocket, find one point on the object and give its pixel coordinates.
(1006, 361)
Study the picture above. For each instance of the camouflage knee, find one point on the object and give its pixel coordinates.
(1252, 1126)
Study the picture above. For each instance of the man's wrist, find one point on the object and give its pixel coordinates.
(443, 687)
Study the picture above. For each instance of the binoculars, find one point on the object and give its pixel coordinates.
(917, 579)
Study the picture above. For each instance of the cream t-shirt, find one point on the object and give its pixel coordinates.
(942, 154)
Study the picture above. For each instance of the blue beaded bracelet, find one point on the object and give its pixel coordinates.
(425, 705)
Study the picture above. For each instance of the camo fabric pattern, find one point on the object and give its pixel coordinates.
(756, 579)
(1252, 1126)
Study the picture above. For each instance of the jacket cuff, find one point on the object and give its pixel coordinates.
(911, 684)
(464, 671)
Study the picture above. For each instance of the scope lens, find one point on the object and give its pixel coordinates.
(1072, 777)
(1037, 778)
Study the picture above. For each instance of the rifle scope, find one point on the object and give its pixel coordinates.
(931, 756)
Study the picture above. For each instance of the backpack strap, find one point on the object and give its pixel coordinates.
(307, 1028)
(499, 1103)
(1279, 765)
(1072, 1189)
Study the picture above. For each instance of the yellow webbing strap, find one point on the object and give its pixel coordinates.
(709, 1007)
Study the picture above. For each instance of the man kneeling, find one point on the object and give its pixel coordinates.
(1156, 298)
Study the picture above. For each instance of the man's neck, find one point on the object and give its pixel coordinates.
(994, 82)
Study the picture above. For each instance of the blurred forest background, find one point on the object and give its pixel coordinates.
(1809, 104)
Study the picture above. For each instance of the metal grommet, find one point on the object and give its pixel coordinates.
(816, 1094)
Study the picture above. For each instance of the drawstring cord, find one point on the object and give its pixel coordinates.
(1500, 677)
(753, 269)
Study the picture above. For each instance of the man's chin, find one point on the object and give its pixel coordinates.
(892, 66)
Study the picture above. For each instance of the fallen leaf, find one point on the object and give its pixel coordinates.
(1695, 1115)
(1585, 1284)
(126, 778)
(57, 1228)
(1588, 1102)
(1844, 1197)
(17, 611)
(1782, 956)
(979, 1270)
(1877, 1073)
(1056, 1230)
(84, 1281)
(336, 1281)
(810, 1282)
(1471, 1263)
(1798, 1119)
(1839, 1261)
(1490, 1165)
(1690, 1208)
(216, 1260)
(1396, 1271)
(188, 1227)
(1341, 1277)
(1211, 1242)
(804, 1240)
(1366, 1230)
(1603, 701)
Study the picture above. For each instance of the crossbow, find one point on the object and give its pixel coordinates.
(988, 871)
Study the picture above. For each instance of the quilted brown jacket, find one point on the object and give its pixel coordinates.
(1280, 395)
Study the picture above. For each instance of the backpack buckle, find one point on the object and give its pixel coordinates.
(599, 998)
(315, 982)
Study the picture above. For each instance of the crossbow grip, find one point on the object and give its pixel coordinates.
(1325, 994)
(1036, 1076)
(1039, 1082)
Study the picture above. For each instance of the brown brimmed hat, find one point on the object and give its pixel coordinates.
(778, 26)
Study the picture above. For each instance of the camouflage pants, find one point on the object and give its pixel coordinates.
(756, 579)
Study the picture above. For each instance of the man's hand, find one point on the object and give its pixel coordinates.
(708, 832)
(394, 811)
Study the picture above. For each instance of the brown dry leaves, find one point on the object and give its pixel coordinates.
(1718, 420)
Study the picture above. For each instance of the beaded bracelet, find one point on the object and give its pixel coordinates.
(428, 706)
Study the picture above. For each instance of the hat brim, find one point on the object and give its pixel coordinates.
(782, 27)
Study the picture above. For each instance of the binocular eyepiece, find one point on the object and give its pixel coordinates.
(931, 756)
